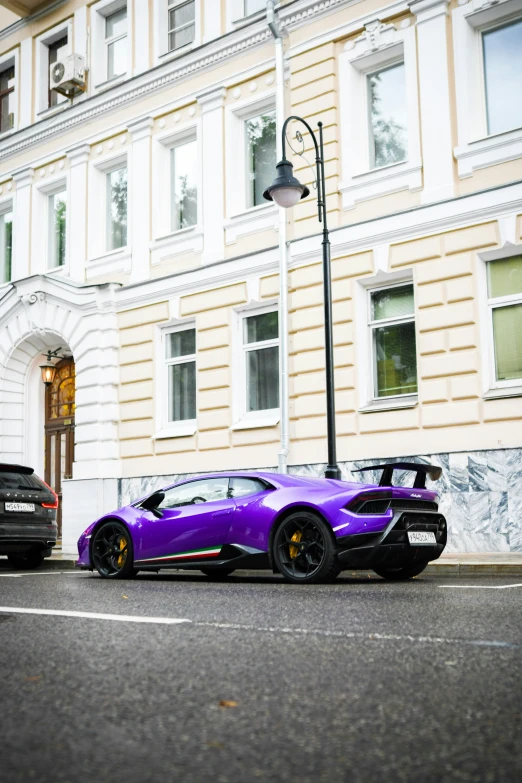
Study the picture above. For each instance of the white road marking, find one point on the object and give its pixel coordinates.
(122, 618)
(480, 587)
(125, 618)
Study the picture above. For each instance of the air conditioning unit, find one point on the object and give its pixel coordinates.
(67, 76)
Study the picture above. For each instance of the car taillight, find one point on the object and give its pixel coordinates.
(370, 503)
(54, 504)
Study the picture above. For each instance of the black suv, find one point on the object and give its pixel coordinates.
(27, 516)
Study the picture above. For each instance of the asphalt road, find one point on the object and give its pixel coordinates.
(358, 681)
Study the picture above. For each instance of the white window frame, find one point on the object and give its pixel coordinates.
(42, 67)
(12, 59)
(101, 260)
(476, 149)
(242, 418)
(494, 303)
(167, 243)
(236, 17)
(50, 195)
(240, 219)
(41, 222)
(99, 59)
(6, 206)
(166, 428)
(161, 36)
(362, 57)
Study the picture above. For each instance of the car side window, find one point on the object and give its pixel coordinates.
(193, 492)
(242, 487)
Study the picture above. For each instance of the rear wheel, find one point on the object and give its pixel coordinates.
(303, 549)
(112, 553)
(217, 573)
(30, 560)
(398, 574)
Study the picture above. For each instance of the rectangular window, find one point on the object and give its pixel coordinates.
(180, 357)
(502, 68)
(253, 6)
(183, 188)
(116, 208)
(57, 51)
(392, 328)
(261, 348)
(505, 302)
(116, 43)
(57, 214)
(7, 99)
(387, 116)
(181, 23)
(6, 246)
(261, 156)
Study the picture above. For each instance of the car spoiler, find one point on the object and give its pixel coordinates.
(421, 470)
(7, 468)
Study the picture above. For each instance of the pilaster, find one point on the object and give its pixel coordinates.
(139, 219)
(213, 195)
(23, 179)
(77, 208)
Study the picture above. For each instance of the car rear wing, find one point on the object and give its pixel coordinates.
(421, 470)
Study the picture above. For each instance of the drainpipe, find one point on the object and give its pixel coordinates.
(283, 246)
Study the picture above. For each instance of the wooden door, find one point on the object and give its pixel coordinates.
(59, 430)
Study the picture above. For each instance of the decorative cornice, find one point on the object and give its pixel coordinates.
(141, 129)
(297, 14)
(425, 10)
(78, 154)
(24, 176)
(211, 99)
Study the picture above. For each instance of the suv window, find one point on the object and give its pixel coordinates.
(242, 487)
(200, 491)
(10, 480)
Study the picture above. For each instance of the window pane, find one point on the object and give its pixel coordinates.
(507, 331)
(502, 69)
(261, 327)
(395, 360)
(184, 191)
(116, 24)
(242, 487)
(251, 6)
(57, 228)
(263, 379)
(117, 209)
(6, 246)
(181, 344)
(182, 391)
(261, 156)
(117, 58)
(7, 79)
(203, 490)
(392, 303)
(388, 116)
(7, 102)
(182, 29)
(505, 277)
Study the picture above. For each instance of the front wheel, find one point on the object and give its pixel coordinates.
(112, 553)
(303, 549)
(32, 559)
(399, 574)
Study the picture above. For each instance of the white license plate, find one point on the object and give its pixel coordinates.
(420, 539)
(27, 508)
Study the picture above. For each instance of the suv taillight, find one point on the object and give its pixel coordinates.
(54, 504)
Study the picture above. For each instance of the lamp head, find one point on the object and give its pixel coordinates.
(286, 190)
(48, 371)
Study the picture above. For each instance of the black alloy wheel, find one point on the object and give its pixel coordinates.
(303, 549)
(30, 560)
(399, 574)
(217, 573)
(112, 553)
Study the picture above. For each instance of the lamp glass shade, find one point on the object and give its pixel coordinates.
(48, 372)
(287, 197)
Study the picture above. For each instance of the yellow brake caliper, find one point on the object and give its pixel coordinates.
(123, 548)
(294, 550)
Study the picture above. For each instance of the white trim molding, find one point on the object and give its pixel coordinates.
(476, 149)
(379, 46)
(98, 77)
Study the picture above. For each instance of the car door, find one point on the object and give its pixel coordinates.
(194, 523)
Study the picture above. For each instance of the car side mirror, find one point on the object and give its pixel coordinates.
(152, 502)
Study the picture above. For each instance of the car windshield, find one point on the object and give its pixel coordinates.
(11, 480)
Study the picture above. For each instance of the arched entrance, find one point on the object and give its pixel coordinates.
(59, 429)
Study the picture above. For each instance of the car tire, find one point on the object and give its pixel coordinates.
(112, 553)
(31, 560)
(217, 573)
(303, 549)
(400, 574)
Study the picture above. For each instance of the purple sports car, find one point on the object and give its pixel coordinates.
(307, 529)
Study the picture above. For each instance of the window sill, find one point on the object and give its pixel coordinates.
(258, 420)
(110, 82)
(406, 175)
(186, 240)
(114, 261)
(175, 53)
(396, 403)
(7, 133)
(52, 110)
(182, 429)
(263, 217)
(243, 21)
(479, 154)
(57, 270)
(507, 391)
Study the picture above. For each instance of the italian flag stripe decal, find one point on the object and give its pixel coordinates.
(193, 553)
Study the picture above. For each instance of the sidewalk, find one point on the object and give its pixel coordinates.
(450, 564)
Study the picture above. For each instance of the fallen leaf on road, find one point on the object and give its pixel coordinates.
(214, 744)
(225, 703)
(125, 596)
(34, 678)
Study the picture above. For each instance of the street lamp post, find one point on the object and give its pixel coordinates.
(287, 191)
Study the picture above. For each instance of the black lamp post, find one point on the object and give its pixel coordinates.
(287, 191)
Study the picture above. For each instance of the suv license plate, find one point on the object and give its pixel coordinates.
(420, 539)
(27, 508)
